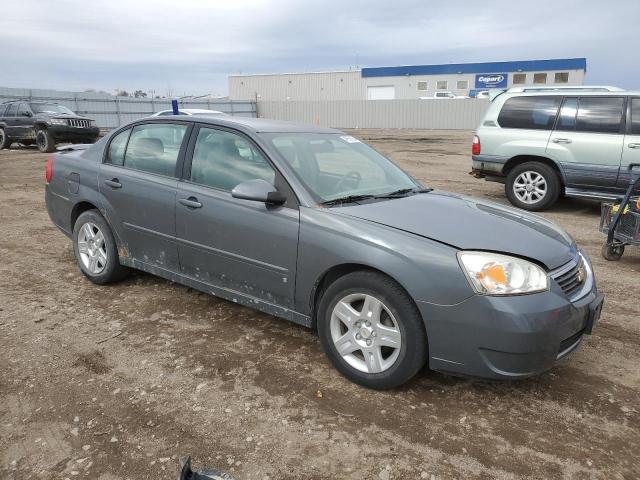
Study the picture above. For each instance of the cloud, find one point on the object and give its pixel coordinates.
(192, 46)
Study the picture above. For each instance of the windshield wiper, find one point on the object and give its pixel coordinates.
(403, 192)
(347, 199)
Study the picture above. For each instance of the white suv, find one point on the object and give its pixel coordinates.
(546, 142)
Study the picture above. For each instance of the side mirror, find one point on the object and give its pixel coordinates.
(260, 191)
(27, 114)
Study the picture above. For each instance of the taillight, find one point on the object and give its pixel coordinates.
(48, 173)
(475, 146)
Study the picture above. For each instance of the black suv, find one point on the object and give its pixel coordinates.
(43, 123)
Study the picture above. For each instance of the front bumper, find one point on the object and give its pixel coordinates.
(507, 337)
(70, 134)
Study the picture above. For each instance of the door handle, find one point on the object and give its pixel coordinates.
(191, 202)
(634, 145)
(113, 183)
(561, 140)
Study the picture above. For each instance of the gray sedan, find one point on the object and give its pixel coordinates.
(314, 226)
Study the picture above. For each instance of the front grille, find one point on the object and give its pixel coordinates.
(571, 279)
(73, 122)
(569, 342)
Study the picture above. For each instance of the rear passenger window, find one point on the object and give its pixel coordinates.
(536, 113)
(224, 160)
(567, 120)
(12, 111)
(117, 147)
(154, 148)
(635, 116)
(599, 114)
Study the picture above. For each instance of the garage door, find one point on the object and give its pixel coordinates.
(387, 92)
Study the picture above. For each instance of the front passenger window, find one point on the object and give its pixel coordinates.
(154, 148)
(223, 160)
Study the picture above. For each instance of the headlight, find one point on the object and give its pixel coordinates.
(494, 274)
(92, 123)
(57, 121)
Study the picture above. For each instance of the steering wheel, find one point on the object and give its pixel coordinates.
(352, 176)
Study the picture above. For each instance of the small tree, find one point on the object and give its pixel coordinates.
(139, 94)
(122, 93)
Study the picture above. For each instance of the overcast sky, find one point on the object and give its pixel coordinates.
(191, 46)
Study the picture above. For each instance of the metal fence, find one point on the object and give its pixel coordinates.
(451, 114)
(109, 111)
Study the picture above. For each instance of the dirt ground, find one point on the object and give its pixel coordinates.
(118, 382)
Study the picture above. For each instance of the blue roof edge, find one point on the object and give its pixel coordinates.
(485, 67)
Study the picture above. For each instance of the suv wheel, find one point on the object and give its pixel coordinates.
(371, 330)
(5, 142)
(532, 186)
(45, 141)
(95, 249)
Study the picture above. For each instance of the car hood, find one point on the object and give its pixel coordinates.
(470, 224)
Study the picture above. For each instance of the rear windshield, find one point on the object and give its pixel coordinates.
(536, 113)
(50, 108)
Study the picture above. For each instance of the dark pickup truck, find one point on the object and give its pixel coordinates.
(43, 124)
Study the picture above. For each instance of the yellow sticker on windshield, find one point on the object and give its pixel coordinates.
(349, 139)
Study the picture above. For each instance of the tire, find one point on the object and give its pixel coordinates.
(399, 320)
(45, 141)
(5, 142)
(612, 253)
(537, 182)
(101, 248)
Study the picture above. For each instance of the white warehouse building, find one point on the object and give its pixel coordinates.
(407, 82)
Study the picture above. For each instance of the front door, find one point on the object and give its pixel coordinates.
(587, 141)
(631, 149)
(138, 181)
(238, 245)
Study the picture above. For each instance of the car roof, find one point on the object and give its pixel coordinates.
(567, 91)
(255, 125)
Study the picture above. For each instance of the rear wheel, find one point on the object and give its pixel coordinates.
(95, 249)
(371, 330)
(612, 253)
(5, 142)
(45, 141)
(533, 186)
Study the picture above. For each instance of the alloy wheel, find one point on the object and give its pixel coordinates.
(41, 140)
(92, 248)
(530, 187)
(365, 333)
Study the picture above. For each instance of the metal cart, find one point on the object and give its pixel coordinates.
(621, 222)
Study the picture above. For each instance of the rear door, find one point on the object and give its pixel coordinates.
(631, 148)
(240, 245)
(12, 130)
(587, 141)
(138, 182)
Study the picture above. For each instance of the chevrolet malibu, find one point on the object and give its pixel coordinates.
(314, 226)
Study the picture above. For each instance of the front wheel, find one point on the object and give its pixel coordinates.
(371, 330)
(95, 249)
(45, 141)
(533, 186)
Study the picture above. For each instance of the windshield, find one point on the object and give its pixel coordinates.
(50, 108)
(334, 165)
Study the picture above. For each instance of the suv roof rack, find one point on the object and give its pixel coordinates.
(586, 88)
